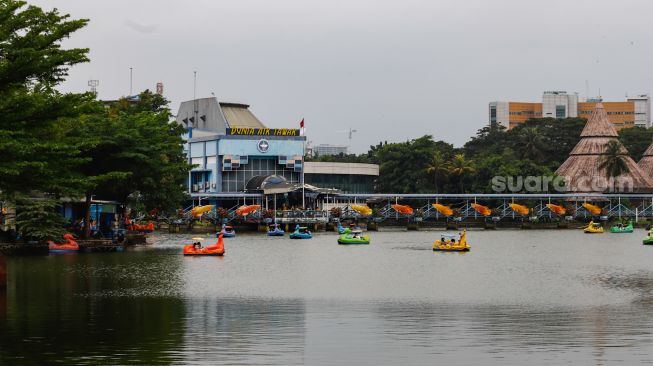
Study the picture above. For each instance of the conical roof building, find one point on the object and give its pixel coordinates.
(582, 171)
(646, 163)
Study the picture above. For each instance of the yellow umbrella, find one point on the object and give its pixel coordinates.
(444, 210)
(362, 209)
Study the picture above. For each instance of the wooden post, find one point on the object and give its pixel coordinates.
(3, 273)
(3, 287)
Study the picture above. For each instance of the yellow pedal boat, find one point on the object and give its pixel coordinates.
(593, 228)
(452, 243)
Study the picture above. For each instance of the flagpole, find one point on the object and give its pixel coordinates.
(303, 131)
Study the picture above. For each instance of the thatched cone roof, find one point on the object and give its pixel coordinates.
(581, 169)
(646, 163)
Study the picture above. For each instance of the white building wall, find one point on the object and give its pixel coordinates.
(559, 98)
(642, 110)
(503, 113)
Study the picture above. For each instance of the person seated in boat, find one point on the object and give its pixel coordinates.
(453, 241)
(356, 235)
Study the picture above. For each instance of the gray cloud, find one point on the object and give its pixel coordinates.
(393, 70)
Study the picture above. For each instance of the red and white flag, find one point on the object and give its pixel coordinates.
(302, 131)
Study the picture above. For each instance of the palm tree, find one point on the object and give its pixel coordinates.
(438, 167)
(614, 161)
(532, 142)
(459, 166)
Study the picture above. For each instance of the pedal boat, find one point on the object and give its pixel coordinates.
(623, 229)
(648, 240)
(275, 230)
(593, 228)
(227, 231)
(452, 243)
(353, 237)
(215, 250)
(70, 246)
(301, 232)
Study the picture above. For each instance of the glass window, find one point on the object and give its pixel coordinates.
(196, 149)
(211, 148)
(561, 111)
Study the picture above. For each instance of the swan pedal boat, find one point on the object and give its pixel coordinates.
(593, 228)
(301, 232)
(215, 250)
(275, 230)
(70, 246)
(648, 240)
(624, 229)
(353, 237)
(452, 243)
(227, 231)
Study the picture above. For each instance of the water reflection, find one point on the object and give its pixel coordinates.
(516, 298)
(245, 331)
(91, 309)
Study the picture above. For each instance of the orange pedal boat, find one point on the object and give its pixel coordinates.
(212, 250)
(70, 246)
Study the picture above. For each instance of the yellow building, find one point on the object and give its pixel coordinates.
(635, 111)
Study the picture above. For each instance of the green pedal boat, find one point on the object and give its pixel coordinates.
(353, 237)
(621, 228)
(648, 240)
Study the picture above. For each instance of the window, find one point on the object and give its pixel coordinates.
(561, 111)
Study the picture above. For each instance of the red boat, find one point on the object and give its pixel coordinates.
(212, 250)
(144, 228)
(70, 246)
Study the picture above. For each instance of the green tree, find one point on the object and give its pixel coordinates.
(636, 140)
(132, 152)
(32, 63)
(532, 143)
(614, 160)
(437, 167)
(459, 166)
(37, 161)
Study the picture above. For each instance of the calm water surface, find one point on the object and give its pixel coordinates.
(542, 297)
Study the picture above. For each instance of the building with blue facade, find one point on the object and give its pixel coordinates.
(234, 152)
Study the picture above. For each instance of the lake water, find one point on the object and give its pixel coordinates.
(539, 297)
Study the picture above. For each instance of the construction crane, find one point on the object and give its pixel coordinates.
(350, 131)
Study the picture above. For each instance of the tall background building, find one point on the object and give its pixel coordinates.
(635, 111)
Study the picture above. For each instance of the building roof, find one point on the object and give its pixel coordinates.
(320, 167)
(599, 125)
(646, 163)
(239, 115)
(581, 169)
(209, 115)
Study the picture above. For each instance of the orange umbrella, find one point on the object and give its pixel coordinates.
(246, 210)
(403, 209)
(593, 209)
(444, 210)
(558, 210)
(483, 210)
(520, 209)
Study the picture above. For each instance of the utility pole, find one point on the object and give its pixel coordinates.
(131, 80)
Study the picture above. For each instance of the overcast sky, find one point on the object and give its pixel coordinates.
(393, 70)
